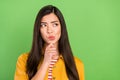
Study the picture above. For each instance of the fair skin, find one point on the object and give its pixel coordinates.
(50, 31)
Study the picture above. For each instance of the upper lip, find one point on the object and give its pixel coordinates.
(51, 37)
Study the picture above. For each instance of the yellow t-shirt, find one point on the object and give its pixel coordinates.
(58, 72)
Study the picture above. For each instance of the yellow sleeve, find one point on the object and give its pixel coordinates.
(80, 68)
(20, 73)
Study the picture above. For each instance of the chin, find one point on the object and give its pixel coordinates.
(51, 42)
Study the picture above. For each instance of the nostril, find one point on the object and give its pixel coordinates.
(49, 30)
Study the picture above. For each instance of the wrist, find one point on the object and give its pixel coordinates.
(45, 63)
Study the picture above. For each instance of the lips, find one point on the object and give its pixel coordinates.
(51, 37)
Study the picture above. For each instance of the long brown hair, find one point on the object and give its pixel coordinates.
(35, 55)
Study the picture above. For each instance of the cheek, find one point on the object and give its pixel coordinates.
(59, 32)
(42, 33)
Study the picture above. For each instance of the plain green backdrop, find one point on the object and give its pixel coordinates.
(93, 27)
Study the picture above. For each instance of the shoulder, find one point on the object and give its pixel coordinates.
(23, 58)
(24, 55)
(80, 67)
(20, 72)
(78, 62)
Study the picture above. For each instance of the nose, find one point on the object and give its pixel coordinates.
(49, 29)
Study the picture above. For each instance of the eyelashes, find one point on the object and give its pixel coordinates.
(55, 24)
(45, 24)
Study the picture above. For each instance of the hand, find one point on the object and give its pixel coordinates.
(50, 53)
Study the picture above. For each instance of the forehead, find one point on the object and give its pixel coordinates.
(49, 17)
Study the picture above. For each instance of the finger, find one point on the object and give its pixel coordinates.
(49, 46)
(51, 49)
(55, 57)
(51, 52)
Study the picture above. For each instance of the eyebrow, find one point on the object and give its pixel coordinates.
(54, 21)
(50, 22)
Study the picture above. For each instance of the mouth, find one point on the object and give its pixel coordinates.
(51, 37)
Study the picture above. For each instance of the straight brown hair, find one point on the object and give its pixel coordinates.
(35, 55)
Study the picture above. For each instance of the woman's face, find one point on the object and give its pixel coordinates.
(50, 29)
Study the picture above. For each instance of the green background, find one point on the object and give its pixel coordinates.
(93, 27)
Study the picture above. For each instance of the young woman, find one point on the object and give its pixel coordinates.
(51, 56)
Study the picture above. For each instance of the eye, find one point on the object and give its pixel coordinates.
(55, 24)
(43, 25)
